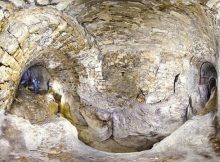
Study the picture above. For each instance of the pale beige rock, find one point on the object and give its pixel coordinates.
(124, 70)
(62, 4)
(8, 42)
(42, 2)
(18, 3)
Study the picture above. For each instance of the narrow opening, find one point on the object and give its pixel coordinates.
(174, 83)
(36, 79)
(207, 71)
(32, 100)
(208, 79)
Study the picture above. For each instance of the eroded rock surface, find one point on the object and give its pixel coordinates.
(124, 74)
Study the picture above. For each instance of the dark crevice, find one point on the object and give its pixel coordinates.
(1, 64)
(174, 83)
(122, 73)
(189, 110)
(5, 81)
(49, 4)
(5, 50)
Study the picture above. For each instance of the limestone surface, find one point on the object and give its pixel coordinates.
(127, 76)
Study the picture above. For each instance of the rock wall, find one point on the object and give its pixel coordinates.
(126, 69)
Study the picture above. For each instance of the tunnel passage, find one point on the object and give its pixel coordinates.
(36, 78)
(207, 72)
(56, 81)
(34, 99)
(204, 99)
(207, 89)
(127, 125)
(208, 77)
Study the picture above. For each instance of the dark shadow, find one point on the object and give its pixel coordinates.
(208, 77)
(37, 79)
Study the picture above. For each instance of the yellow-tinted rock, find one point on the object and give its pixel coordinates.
(53, 106)
(65, 111)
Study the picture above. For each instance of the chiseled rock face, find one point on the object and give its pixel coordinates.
(57, 140)
(150, 62)
(18, 136)
(124, 71)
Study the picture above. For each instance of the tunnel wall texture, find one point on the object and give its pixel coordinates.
(116, 61)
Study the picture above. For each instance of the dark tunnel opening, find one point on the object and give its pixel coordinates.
(205, 100)
(207, 71)
(208, 79)
(37, 79)
(34, 99)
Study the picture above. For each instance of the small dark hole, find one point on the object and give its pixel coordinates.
(174, 83)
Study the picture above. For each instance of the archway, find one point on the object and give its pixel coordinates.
(36, 78)
(208, 78)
